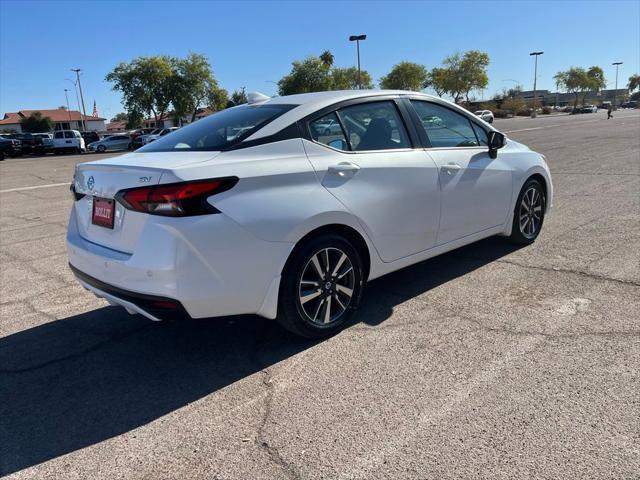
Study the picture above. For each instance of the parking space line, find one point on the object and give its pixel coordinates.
(34, 187)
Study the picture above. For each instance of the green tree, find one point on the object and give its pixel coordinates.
(217, 98)
(464, 73)
(36, 123)
(634, 82)
(193, 85)
(578, 81)
(308, 75)
(62, 107)
(327, 58)
(440, 80)
(120, 117)
(238, 97)
(347, 78)
(147, 84)
(405, 76)
(134, 119)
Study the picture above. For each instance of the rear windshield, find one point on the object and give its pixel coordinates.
(220, 130)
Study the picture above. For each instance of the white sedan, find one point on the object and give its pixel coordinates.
(255, 210)
(486, 115)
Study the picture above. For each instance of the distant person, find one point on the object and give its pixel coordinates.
(609, 110)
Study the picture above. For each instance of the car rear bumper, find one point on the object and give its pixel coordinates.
(151, 306)
(208, 264)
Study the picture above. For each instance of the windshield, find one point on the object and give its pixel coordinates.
(219, 130)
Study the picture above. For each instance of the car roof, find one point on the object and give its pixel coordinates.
(308, 103)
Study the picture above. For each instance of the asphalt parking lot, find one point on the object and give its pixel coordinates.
(487, 362)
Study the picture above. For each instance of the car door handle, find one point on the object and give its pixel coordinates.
(451, 167)
(343, 167)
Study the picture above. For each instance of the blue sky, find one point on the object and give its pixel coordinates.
(252, 44)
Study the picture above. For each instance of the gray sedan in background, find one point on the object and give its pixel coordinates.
(114, 142)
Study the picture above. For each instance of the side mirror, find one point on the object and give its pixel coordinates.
(496, 141)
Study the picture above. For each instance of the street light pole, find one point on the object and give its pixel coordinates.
(357, 38)
(84, 112)
(68, 111)
(615, 92)
(535, 79)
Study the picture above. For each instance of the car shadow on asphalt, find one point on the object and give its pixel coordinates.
(78, 381)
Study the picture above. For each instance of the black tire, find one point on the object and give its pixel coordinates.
(78, 150)
(101, 149)
(291, 313)
(1, 156)
(526, 224)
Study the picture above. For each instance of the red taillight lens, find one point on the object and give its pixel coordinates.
(175, 199)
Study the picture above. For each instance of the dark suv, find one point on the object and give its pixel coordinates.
(9, 147)
(90, 137)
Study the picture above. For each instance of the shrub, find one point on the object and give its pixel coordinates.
(546, 110)
(501, 114)
(513, 104)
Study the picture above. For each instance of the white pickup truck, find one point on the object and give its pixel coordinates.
(68, 140)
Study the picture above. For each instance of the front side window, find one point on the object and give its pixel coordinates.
(69, 135)
(444, 127)
(481, 134)
(374, 126)
(327, 130)
(59, 135)
(219, 130)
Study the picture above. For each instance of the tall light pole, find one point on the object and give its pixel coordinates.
(68, 111)
(357, 38)
(75, 88)
(535, 78)
(84, 112)
(615, 92)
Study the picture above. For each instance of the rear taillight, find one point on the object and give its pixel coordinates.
(175, 199)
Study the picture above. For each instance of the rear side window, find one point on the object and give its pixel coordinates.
(328, 131)
(374, 126)
(444, 127)
(219, 130)
(59, 135)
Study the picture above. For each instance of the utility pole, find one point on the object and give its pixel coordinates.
(68, 111)
(84, 112)
(75, 88)
(535, 78)
(615, 92)
(357, 38)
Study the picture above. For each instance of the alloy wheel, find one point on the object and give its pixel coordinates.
(326, 286)
(530, 214)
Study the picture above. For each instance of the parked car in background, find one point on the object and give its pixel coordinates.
(330, 127)
(589, 109)
(143, 137)
(47, 141)
(68, 141)
(605, 105)
(29, 142)
(285, 222)
(631, 104)
(112, 143)
(154, 136)
(90, 137)
(486, 115)
(9, 147)
(136, 137)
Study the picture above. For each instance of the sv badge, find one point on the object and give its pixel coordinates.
(144, 179)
